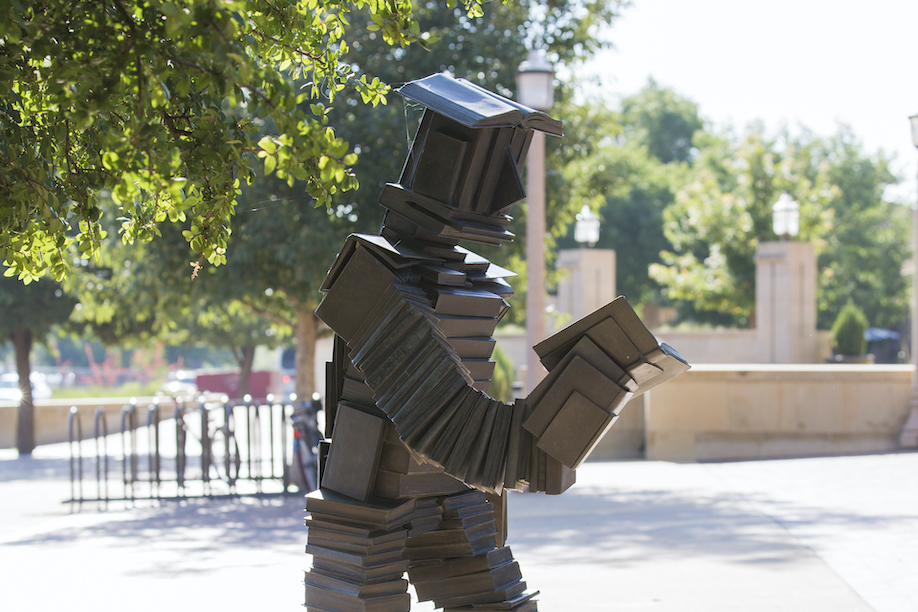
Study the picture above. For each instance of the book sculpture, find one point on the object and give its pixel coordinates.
(420, 456)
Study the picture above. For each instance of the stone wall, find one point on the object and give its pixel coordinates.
(52, 416)
(730, 345)
(716, 412)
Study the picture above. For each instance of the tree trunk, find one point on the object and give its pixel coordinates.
(25, 423)
(307, 331)
(245, 358)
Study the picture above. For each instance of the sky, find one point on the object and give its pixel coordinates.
(810, 63)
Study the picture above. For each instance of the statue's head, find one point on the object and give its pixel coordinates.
(462, 174)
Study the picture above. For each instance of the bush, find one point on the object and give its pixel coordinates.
(848, 331)
(502, 382)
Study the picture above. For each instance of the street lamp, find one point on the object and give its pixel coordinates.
(535, 82)
(535, 87)
(586, 230)
(785, 217)
(909, 436)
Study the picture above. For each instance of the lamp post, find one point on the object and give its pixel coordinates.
(909, 436)
(785, 217)
(535, 87)
(586, 230)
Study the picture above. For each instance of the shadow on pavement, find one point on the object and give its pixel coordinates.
(33, 468)
(187, 525)
(622, 528)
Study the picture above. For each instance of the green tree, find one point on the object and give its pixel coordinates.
(631, 175)
(279, 256)
(137, 294)
(848, 331)
(198, 88)
(282, 247)
(233, 326)
(870, 238)
(160, 103)
(630, 191)
(718, 219)
(29, 313)
(662, 121)
(588, 129)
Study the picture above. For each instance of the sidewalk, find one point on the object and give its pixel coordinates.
(832, 534)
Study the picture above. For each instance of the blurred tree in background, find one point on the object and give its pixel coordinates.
(637, 160)
(869, 243)
(662, 122)
(135, 295)
(29, 313)
(721, 215)
(685, 208)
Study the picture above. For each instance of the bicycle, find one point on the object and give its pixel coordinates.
(220, 456)
(305, 445)
(222, 438)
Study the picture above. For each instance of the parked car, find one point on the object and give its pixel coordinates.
(180, 382)
(9, 387)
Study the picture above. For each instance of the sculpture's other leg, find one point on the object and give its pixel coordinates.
(463, 561)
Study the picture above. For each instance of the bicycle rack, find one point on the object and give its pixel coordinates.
(129, 440)
(180, 436)
(74, 419)
(243, 450)
(100, 434)
(153, 457)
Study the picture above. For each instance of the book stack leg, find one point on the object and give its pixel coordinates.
(357, 554)
(459, 565)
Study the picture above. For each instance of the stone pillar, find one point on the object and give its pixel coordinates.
(589, 282)
(535, 257)
(785, 302)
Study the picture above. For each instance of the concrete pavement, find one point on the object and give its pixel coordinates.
(828, 534)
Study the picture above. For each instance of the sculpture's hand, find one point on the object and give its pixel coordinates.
(595, 366)
(574, 406)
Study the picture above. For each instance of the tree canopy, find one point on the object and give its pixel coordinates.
(719, 217)
(282, 244)
(662, 121)
(869, 242)
(693, 204)
(159, 104)
(630, 175)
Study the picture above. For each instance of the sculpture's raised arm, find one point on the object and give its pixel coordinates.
(418, 379)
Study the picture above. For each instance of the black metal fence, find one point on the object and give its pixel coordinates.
(199, 448)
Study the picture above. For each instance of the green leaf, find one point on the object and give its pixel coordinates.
(270, 164)
(268, 144)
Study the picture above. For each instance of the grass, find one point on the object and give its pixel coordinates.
(131, 389)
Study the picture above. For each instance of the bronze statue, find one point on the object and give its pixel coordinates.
(420, 455)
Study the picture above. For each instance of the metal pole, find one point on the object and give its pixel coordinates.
(535, 257)
(909, 436)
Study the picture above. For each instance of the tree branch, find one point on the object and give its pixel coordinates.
(169, 122)
(274, 318)
(204, 70)
(127, 16)
(311, 57)
(67, 151)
